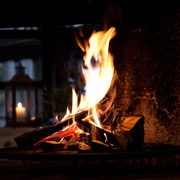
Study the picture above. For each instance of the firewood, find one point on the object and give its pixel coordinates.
(73, 143)
(72, 130)
(130, 137)
(99, 145)
(133, 128)
(30, 138)
(104, 136)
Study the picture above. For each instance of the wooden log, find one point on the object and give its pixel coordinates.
(76, 129)
(130, 136)
(133, 129)
(99, 146)
(73, 144)
(30, 138)
(72, 130)
(104, 135)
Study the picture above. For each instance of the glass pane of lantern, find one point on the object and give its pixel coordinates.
(33, 68)
(38, 69)
(29, 69)
(32, 104)
(2, 109)
(40, 102)
(10, 105)
(21, 96)
(7, 69)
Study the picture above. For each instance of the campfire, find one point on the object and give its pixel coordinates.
(92, 124)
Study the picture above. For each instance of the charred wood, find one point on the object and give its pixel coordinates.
(30, 138)
(104, 136)
(128, 134)
(133, 129)
(73, 144)
(99, 146)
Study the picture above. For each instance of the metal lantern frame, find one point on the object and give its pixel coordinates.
(20, 80)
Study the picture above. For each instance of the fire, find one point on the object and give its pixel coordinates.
(19, 105)
(71, 130)
(66, 115)
(98, 72)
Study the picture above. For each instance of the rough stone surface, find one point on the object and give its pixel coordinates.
(148, 66)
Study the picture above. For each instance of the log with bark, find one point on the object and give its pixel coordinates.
(133, 129)
(129, 134)
(30, 138)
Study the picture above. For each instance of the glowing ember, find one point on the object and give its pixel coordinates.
(72, 130)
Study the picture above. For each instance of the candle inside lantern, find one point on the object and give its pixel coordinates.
(20, 113)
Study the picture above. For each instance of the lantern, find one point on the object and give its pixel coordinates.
(21, 94)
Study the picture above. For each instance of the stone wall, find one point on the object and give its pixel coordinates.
(147, 62)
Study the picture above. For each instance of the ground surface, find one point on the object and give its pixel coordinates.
(7, 135)
(10, 169)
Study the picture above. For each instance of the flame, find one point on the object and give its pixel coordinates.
(66, 115)
(19, 105)
(72, 130)
(95, 116)
(106, 138)
(98, 77)
(99, 71)
(74, 101)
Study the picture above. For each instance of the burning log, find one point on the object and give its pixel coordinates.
(30, 138)
(132, 128)
(129, 136)
(75, 143)
(72, 130)
(103, 135)
(99, 145)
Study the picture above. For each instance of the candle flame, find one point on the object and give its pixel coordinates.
(19, 105)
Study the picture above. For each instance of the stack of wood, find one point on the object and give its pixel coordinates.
(127, 135)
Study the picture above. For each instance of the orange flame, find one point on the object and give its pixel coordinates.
(98, 74)
(66, 115)
(72, 130)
